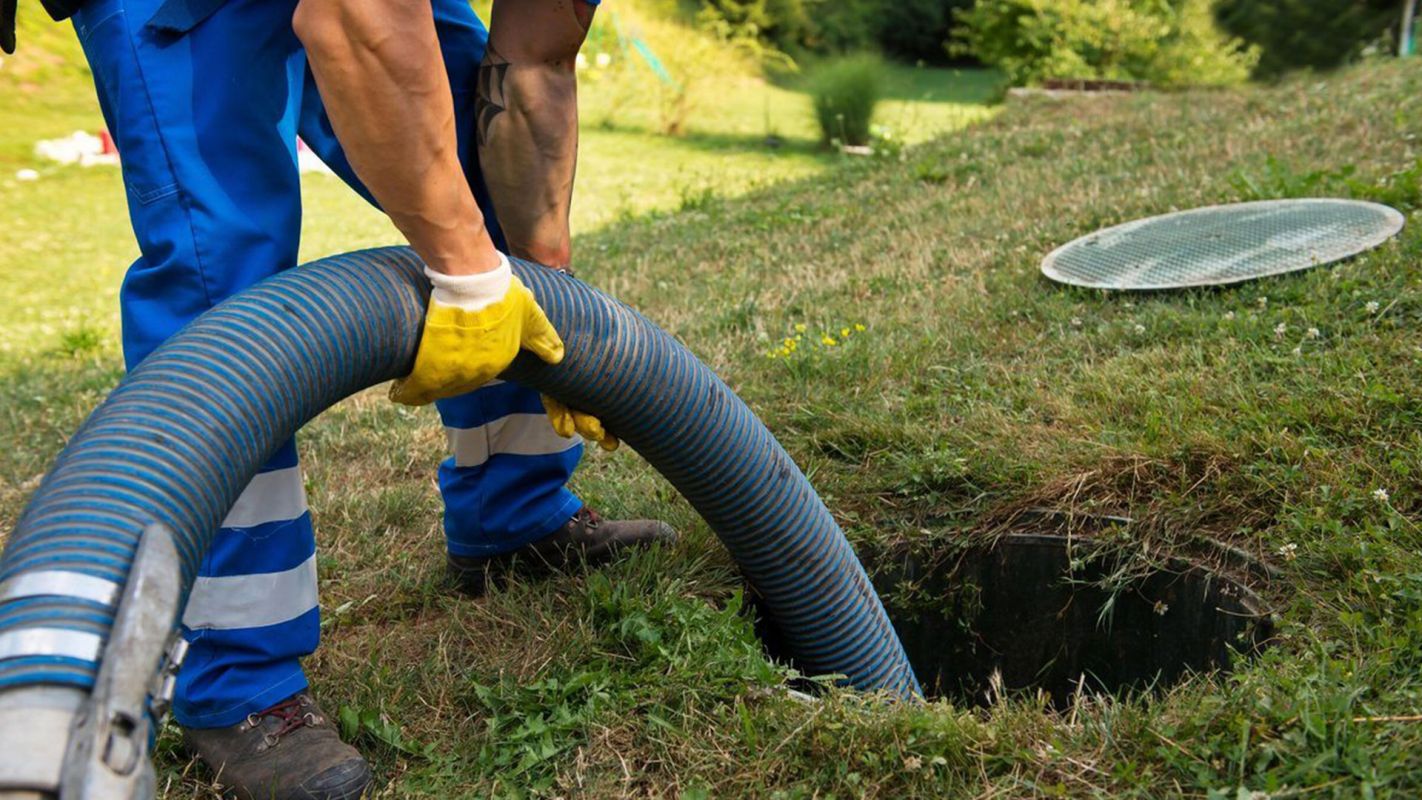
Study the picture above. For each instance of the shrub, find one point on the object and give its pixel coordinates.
(1166, 42)
(845, 92)
(781, 24)
(643, 69)
(1308, 33)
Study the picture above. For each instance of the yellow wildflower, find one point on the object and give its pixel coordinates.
(858, 327)
(828, 341)
(800, 327)
(844, 333)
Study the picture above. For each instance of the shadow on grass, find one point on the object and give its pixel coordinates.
(906, 83)
(726, 142)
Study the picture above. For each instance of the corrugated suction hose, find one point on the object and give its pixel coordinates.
(180, 437)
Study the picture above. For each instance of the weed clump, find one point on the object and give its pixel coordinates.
(80, 342)
(845, 93)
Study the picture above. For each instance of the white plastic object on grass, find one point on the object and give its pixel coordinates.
(79, 147)
(1224, 244)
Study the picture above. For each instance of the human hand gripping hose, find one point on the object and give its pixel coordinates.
(474, 327)
(567, 421)
(95, 572)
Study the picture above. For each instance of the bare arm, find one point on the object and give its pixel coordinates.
(377, 64)
(528, 121)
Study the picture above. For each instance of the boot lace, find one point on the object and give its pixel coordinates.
(290, 714)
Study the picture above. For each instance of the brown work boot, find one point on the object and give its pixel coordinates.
(290, 751)
(585, 539)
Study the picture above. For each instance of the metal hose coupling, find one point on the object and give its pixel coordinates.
(109, 733)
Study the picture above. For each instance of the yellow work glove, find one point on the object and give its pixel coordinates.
(474, 328)
(566, 422)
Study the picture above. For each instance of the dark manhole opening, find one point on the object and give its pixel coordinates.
(1061, 615)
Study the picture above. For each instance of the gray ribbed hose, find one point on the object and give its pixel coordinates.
(179, 438)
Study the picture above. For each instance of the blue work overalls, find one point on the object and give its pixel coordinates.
(205, 105)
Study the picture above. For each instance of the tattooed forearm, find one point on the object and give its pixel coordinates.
(491, 103)
(527, 122)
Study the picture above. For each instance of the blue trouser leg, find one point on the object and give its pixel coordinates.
(206, 124)
(504, 486)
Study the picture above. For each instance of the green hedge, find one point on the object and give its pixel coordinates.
(1166, 42)
(1288, 33)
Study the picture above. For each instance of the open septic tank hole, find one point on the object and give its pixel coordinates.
(1038, 612)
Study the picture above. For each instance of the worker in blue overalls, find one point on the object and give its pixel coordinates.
(402, 98)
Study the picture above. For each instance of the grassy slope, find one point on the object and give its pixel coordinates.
(972, 392)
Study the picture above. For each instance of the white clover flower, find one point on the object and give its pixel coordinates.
(1289, 552)
(1313, 333)
(1139, 328)
(1298, 351)
(1380, 495)
(1229, 315)
(1280, 330)
(1076, 322)
(1372, 306)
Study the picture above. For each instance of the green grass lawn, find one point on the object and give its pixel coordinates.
(626, 168)
(976, 389)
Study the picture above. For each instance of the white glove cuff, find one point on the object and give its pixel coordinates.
(471, 292)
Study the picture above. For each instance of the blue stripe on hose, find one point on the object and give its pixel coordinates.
(54, 615)
(32, 670)
(180, 438)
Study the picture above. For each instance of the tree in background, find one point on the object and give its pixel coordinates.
(1309, 33)
(1165, 42)
(911, 30)
(839, 26)
(917, 30)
